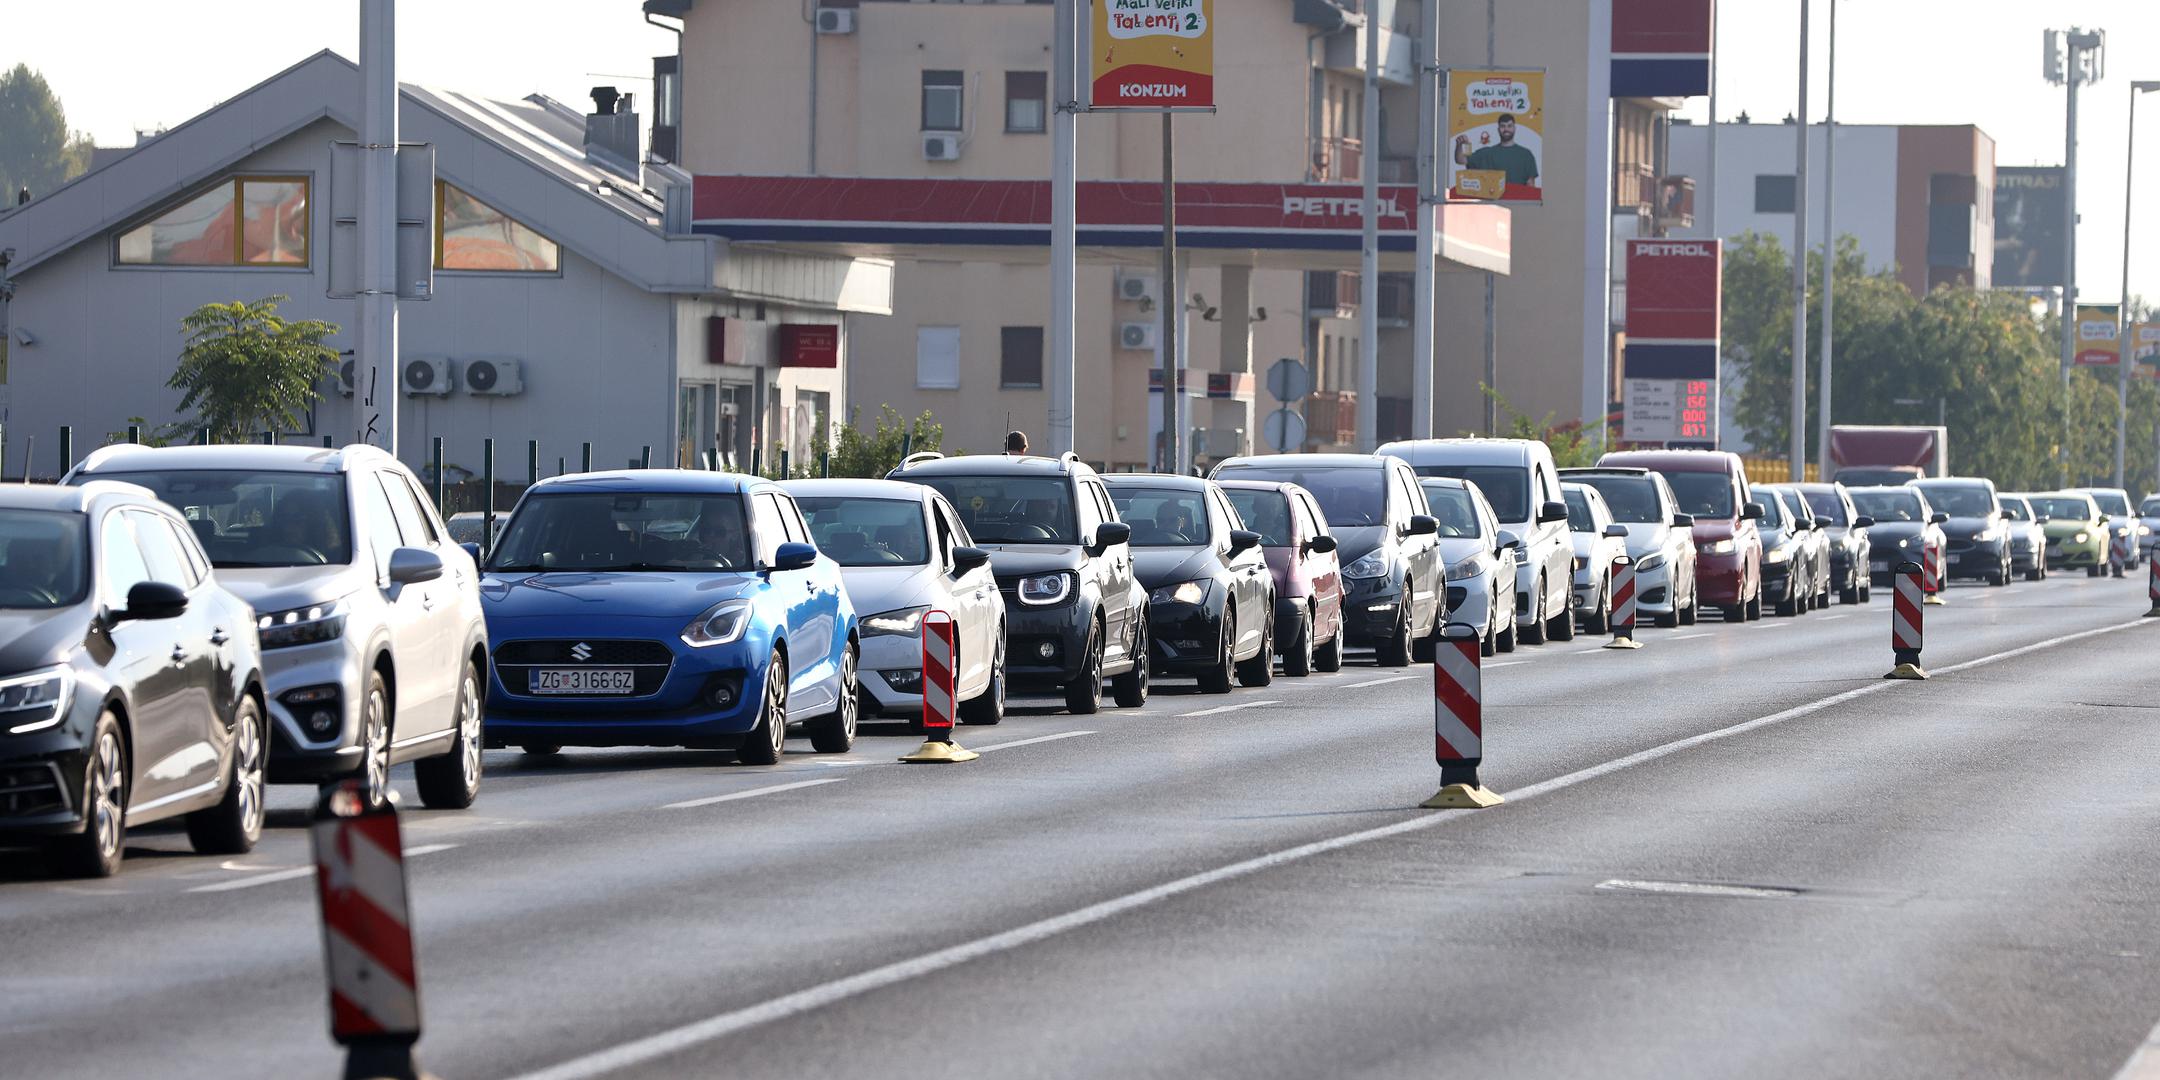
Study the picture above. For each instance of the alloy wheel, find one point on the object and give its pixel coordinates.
(375, 736)
(849, 702)
(469, 729)
(107, 793)
(776, 708)
(248, 769)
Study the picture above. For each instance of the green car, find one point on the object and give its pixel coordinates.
(2076, 531)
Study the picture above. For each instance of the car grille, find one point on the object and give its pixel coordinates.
(649, 662)
(31, 789)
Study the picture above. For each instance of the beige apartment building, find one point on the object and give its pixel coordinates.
(920, 88)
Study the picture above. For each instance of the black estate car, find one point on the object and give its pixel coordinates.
(1211, 600)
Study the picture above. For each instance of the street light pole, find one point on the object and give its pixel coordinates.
(2123, 322)
(1798, 448)
(1368, 371)
(1064, 219)
(1829, 263)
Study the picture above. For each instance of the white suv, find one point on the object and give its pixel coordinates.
(373, 643)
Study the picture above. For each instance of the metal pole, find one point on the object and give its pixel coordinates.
(1829, 266)
(2124, 324)
(375, 373)
(67, 450)
(1428, 191)
(487, 496)
(585, 458)
(532, 462)
(442, 505)
(2069, 302)
(1064, 230)
(1709, 214)
(135, 434)
(1492, 320)
(1368, 374)
(1798, 441)
(1171, 453)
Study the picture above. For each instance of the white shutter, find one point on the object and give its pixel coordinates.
(937, 358)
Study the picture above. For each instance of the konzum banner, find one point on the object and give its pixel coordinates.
(1151, 55)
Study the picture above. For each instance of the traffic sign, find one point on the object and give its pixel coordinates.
(1285, 430)
(1289, 380)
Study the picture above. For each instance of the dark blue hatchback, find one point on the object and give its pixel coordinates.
(666, 608)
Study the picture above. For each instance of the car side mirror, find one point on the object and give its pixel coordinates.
(1320, 545)
(794, 556)
(2042, 520)
(1751, 512)
(1617, 532)
(1243, 540)
(1423, 525)
(1508, 539)
(1551, 512)
(153, 600)
(472, 550)
(1108, 535)
(967, 560)
(1683, 521)
(1937, 518)
(1863, 522)
(411, 566)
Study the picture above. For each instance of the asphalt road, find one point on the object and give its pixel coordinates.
(1737, 851)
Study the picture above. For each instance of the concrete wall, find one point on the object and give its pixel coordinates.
(1868, 201)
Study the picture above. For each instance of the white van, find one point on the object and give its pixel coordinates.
(1518, 478)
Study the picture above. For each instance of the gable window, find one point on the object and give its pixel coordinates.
(471, 235)
(1027, 99)
(941, 94)
(241, 221)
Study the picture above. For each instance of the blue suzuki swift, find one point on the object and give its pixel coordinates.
(666, 608)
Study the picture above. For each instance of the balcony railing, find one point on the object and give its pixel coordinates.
(1331, 417)
(1331, 295)
(1339, 160)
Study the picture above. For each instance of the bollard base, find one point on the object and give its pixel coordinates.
(1623, 643)
(2154, 613)
(934, 752)
(1934, 600)
(1906, 671)
(1462, 797)
(382, 1059)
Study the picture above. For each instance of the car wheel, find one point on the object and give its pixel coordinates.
(1395, 650)
(375, 741)
(2092, 571)
(1217, 678)
(1754, 607)
(95, 852)
(1130, 690)
(1562, 626)
(452, 780)
(768, 740)
(1693, 613)
(834, 733)
(1599, 620)
(1328, 657)
(235, 823)
(1083, 695)
(988, 707)
(1533, 633)
(1297, 654)
(1260, 670)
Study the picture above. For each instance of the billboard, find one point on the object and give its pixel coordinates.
(2145, 349)
(2028, 227)
(1151, 55)
(1497, 123)
(2097, 343)
(1675, 295)
(1661, 48)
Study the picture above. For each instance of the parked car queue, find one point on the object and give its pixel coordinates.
(311, 620)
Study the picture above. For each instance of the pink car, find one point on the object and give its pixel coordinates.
(1301, 556)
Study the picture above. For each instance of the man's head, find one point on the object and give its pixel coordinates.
(1016, 442)
(1507, 129)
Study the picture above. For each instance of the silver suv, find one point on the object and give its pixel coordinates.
(373, 643)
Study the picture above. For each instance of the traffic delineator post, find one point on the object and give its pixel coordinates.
(1932, 575)
(368, 951)
(2152, 583)
(1905, 621)
(2118, 552)
(939, 653)
(1458, 721)
(1623, 604)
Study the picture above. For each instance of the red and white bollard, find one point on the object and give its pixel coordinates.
(1905, 619)
(2118, 551)
(2152, 583)
(940, 654)
(1458, 721)
(367, 933)
(1932, 575)
(1623, 604)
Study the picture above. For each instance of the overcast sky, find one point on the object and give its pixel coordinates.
(123, 64)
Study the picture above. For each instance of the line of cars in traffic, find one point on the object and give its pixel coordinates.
(187, 625)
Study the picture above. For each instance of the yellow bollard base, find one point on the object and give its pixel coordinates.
(1935, 600)
(940, 753)
(1906, 671)
(2154, 613)
(1623, 643)
(1462, 797)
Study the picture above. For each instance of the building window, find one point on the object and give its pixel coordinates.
(941, 92)
(937, 358)
(1020, 359)
(471, 235)
(242, 221)
(1027, 100)
(1773, 194)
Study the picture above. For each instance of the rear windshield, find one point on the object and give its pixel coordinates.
(1161, 517)
(867, 532)
(1827, 506)
(1773, 509)
(1506, 487)
(2015, 510)
(1350, 496)
(1579, 518)
(1959, 500)
(1011, 509)
(1632, 499)
(43, 559)
(2150, 508)
(2112, 504)
(1703, 494)
(1888, 506)
(251, 519)
(2065, 509)
(1264, 512)
(596, 532)
(1453, 508)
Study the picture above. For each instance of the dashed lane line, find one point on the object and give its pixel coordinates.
(296, 872)
(1376, 682)
(1030, 742)
(1691, 637)
(1219, 709)
(753, 793)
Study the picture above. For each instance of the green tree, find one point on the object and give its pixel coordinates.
(246, 370)
(874, 453)
(1569, 442)
(36, 151)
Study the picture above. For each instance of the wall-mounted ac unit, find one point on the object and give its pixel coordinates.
(1137, 335)
(345, 377)
(1135, 285)
(941, 147)
(426, 376)
(835, 21)
(499, 378)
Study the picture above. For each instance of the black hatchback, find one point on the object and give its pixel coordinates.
(130, 681)
(1211, 600)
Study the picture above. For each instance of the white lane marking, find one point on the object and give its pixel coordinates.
(1031, 742)
(2144, 1063)
(1833, 618)
(1696, 888)
(276, 876)
(1690, 637)
(1376, 682)
(1228, 708)
(1503, 663)
(1771, 625)
(750, 794)
(824, 995)
(839, 764)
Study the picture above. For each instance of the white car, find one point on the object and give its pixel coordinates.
(1598, 542)
(1661, 539)
(1480, 566)
(903, 553)
(1518, 478)
(2149, 518)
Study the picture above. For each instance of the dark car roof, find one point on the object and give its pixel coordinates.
(995, 465)
(1675, 460)
(1606, 470)
(1306, 461)
(655, 482)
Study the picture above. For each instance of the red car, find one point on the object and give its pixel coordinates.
(1301, 556)
(1712, 486)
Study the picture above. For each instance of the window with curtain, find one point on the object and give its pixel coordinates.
(942, 92)
(1027, 100)
(239, 221)
(937, 358)
(471, 235)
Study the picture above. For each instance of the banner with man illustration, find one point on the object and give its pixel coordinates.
(1152, 55)
(2098, 344)
(2145, 349)
(1496, 131)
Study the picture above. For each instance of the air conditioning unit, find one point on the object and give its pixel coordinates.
(499, 378)
(430, 376)
(835, 21)
(941, 147)
(1134, 285)
(345, 377)
(1137, 335)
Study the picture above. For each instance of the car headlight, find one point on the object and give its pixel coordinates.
(36, 701)
(1990, 534)
(1650, 562)
(2144, 530)
(302, 626)
(1777, 555)
(1466, 569)
(1904, 543)
(901, 621)
(1042, 590)
(1374, 564)
(1184, 592)
(2081, 537)
(1718, 547)
(720, 624)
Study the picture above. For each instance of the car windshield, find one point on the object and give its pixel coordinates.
(1161, 517)
(596, 531)
(249, 519)
(1888, 506)
(1632, 499)
(42, 559)
(1350, 496)
(1264, 512)
(2150, 508)
(1703, 494)
(2065, 509)
(1506, 487)
(2015, 510)
(1959, 500)
(1452, 507)
(1011, 509)
(1827, 506)
(1579, 518)
(858, 531)
(1773, 509)
(2112, 504)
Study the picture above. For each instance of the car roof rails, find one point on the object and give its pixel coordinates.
(915, 459)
